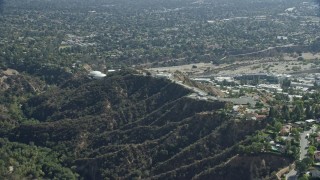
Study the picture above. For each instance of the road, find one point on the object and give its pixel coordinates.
(304, 142)
(194, 89)
(292, 175)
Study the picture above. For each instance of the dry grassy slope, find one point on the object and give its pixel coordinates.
(17, 84)
(207, 88)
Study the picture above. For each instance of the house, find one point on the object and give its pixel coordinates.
(236, 108)
(250, 116)
(317, 155)
(310, 121)
(299, 123)
(282, 37)
(87, 67)
(261, 117)
(292, 9)
(163, 75)
(286, 129)
(278, 148)
(317, 138)
(315, 173)
(111, 70)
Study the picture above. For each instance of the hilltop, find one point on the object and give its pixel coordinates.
(125, 126)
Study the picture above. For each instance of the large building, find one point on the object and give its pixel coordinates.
(96, 75)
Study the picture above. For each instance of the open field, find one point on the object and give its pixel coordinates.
(265, 65)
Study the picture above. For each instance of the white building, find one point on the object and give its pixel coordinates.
(96, 75)
(163, 75)
(220, 79)
(207, 80)
(271, 87)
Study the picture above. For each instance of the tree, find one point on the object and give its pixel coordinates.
(304, 177)
(297, 113)
(259, 105)
(285, 112)
(309, 112)
(256, 147)
(303, 165)
(273, 113)
(295, 133)
(277, 126)
(317, 111)
(286, 83)
(311, 150)
(288, 147)
(300, 58)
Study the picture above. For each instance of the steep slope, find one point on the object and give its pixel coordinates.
(247, 167)
(131, 95)
(15, 88)
(127, 126)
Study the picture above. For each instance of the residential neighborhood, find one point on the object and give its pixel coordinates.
(288, 101)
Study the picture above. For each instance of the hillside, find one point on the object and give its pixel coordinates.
(130, 126)
(247, 167)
